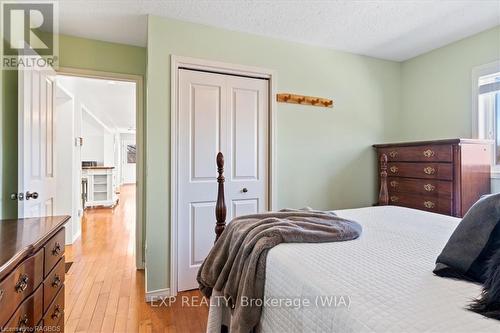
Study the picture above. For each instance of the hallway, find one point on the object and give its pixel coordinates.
(104, 292)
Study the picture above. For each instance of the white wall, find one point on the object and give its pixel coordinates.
(97, 141)
(64, 169)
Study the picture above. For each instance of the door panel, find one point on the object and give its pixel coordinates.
(245, 207)
(205, 114)
(36, 142)
(217, 113)
(245, 113)
(47, 103)
(202, 111)
(247, 170)
(200, 244)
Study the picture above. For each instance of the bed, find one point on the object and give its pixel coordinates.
(381, 282)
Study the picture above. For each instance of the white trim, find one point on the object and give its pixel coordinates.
(157, 295)
(140, 198)
(495, 174)
(224, 68)
(76, 235)
(477, 72)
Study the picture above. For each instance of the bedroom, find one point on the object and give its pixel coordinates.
(410, 80)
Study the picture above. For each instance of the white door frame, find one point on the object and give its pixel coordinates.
(140, 131)
(177, 62)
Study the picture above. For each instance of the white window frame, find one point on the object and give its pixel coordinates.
(477, 72)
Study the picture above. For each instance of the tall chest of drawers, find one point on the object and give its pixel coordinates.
(32, 274)
(444, 176)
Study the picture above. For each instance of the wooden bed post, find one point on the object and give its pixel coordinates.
(220, 207)
(383, 197)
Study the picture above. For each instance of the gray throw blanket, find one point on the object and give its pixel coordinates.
(236, 265)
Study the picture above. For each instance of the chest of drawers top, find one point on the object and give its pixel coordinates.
(20, 238)
(425, 151)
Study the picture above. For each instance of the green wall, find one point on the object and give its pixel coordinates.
(437, 89)
(8, 142)
(102, 56)
(73, 52)
(325, 159)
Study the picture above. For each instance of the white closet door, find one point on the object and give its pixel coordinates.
(217, 113)
(247, 157)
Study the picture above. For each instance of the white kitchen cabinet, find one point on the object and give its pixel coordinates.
(100, 186)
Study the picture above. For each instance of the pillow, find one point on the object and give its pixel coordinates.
(488, 304)
(473, 242)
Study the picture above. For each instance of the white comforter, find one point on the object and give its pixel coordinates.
(381, 282)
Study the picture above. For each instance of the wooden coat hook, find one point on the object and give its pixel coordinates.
(304, 100)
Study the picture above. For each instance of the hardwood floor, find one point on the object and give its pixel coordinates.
(104, 291)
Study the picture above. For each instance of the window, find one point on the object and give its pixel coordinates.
(486, 87)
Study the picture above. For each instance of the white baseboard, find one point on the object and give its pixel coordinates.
(155, 295)
(75, 236)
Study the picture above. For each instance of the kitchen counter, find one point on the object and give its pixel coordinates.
(98, 167)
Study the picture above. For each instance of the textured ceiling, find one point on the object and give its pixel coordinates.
(390, 29)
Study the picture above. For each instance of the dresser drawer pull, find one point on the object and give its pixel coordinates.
(57, 312)
(394, 169)
(57, 249)
(429, 170)
(394, 183)
(429, 187)
(22, 284)
(23, 324)
(394, 198)
(393, 154)
(429, 204)
(57, 281)
(429, 153)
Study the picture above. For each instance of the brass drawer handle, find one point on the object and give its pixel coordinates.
(394, 198)
(393, 154)
(394, 169)
(429, 153)
(57, 281)
(429, 204)
(394, 183)
(429, 187)
(57, 312)
(23, 323)
(22, 284)
(429, 170)
(57, 249)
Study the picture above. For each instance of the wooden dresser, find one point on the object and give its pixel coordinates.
(32, 274)
(444, 176)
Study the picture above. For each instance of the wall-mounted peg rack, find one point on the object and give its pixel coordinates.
(304, 100)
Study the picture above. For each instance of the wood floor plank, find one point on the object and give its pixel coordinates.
(104, 291)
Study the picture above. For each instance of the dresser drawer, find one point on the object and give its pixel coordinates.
(443, 171)
(428, 187)
(55, 313)
(54, 250)
(441, 153)
(53, 282)
(428, 203)
(27, 315)
(19, 284)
